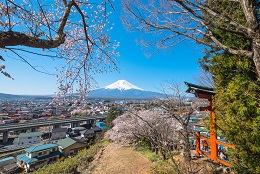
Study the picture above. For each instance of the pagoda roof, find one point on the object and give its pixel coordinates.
(200, 91)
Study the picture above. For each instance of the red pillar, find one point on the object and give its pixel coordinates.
(197, 143)
(213, 134)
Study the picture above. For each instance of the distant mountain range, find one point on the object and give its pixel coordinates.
(120, 89)
(123, 89)
(18, 97)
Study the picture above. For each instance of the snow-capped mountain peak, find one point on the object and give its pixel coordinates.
(122, 85)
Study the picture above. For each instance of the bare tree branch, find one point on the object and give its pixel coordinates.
(196, 20)
(76, 32)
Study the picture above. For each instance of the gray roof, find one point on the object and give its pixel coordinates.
(10, 166)
(96, 128)
(78, 128)
(88, 131)
(64, 143)
(29, 134)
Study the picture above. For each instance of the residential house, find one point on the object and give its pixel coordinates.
(3, 115)
(77, 129)
(8, 165)
(61, 110)
(28, 138)
(58, 133)
(88, 134)
(25, 114)
(47, 113)
(96, 129)
(87, 126)
(70, 146)
(64, 116)
(38, 156)
(6, 161)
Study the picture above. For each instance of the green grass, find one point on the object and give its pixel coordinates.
(148, 154)
(159, 166)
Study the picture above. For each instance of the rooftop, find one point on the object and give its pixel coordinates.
(28, 160)
(6, 159)
(200, 91)
(64, 143)
(96, 129)
(88, 131)
(40, 147)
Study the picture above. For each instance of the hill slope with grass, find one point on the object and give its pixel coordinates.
(101, 158)
(115, 159)
(111, 158)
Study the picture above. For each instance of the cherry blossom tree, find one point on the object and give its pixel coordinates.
(180, 109)
(76, 31)
(80, 112)
(151, 126)
(171, 22)
(167, 118)
(2, 70)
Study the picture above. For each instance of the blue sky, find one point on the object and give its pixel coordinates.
(178, 64)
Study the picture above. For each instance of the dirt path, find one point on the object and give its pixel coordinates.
(120, 160)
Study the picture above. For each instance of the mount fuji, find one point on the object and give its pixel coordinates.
(124, 90)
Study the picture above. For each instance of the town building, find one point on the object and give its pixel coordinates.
(58, 133)
(70, 146)
(6, 161)
(8, 165)
(28, 138)
(88, 134)
(38, 156)
(96, 129)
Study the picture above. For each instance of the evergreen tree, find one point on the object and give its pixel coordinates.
(113, 113)
(237, 101)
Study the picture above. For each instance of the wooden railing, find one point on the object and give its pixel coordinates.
(213, 149)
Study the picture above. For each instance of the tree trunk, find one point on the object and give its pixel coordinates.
(186, 148)
(256, 55)
(163, 153)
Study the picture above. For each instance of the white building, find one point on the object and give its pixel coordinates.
(28, 138)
